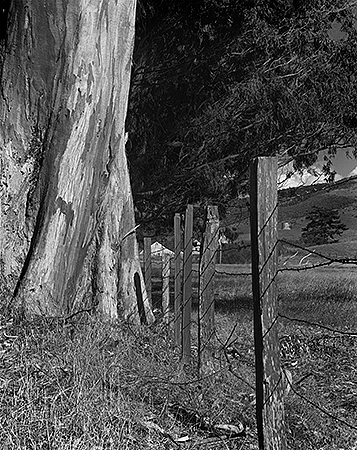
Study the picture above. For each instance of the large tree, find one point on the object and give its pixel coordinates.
(67, 237)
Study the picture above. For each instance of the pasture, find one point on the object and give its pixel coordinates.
(84, 385)
(323, 363)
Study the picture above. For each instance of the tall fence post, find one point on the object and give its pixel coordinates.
(187, 286)
(269, 386)
(147, 268)
(178, 280)
(207, 271)
(166, 263)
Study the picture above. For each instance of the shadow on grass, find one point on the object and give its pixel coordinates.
(224, 304)
(239, 303)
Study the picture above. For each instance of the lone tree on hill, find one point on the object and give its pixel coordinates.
(67, 238)
(323, 226)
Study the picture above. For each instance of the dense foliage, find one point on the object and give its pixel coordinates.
(217, 82)
(323, 227)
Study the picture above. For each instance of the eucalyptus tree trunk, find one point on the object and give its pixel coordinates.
(67, 238)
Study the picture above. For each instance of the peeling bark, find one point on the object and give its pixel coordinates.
(66, 206)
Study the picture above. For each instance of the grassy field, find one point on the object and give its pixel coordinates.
(323, 363)
(84, 385)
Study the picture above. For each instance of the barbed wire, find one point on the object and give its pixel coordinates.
(233, 274)
(321, 255)
(318, 325)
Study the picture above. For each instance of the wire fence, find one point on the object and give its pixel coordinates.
(293, 328)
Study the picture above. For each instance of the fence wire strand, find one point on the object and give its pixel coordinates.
(319, 408)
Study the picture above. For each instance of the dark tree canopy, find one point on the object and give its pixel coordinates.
(217, 82)
(323, 227)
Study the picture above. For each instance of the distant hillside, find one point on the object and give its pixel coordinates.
(294, 205)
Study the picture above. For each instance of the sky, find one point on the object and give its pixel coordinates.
(344, 166)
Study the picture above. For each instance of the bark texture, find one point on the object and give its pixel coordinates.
(66, 231)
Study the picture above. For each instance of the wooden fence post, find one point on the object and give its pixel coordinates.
(187, 286)
(147, 268)
(178, 280)
(207, 271)
(220, 253)
(166, 263)
(269, 386)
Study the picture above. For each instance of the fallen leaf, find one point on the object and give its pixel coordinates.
(231, 430)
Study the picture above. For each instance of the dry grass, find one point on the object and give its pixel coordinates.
(93, 386)
(76, 387)
(86, 385)
(323, 362)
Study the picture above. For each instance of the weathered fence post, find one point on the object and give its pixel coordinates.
(269, 386)
(147, 267)
(207, 271)
(187, 286)
(178, 280)
(166, 263)
(220, 253)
